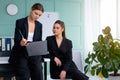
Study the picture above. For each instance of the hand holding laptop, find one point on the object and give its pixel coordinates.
(37, 48)
(34, 48)
(23, 42)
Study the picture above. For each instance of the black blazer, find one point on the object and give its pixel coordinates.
(22, 29)
(64, 53)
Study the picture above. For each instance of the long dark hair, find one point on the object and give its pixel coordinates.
(37, 6)
(61, 23)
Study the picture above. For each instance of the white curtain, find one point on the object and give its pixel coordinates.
(108, 15)
(91, 23)
(118, 19)
(97, 15)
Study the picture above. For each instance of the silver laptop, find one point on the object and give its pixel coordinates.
(37, 48)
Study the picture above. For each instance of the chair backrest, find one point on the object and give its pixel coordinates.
(77, 58)
(59, 79)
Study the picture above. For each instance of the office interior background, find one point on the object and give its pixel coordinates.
(84, 19)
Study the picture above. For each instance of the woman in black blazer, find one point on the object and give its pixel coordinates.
(27, 29)
(60, 49)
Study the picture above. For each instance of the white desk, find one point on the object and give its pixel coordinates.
(6, 71)
(4, 60)
(45, 67)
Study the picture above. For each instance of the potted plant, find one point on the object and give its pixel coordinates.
(104, 60)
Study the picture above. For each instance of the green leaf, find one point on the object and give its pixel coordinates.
(86, 68)
(96, 66)
(93, 72)
(100, 38)
(87, 60)
(101, 59)
(105, 73)
(108, 65)
(95, 60)
(96, 46)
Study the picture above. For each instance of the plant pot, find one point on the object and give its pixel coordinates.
(114, 78)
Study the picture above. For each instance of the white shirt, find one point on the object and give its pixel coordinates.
(30, 36)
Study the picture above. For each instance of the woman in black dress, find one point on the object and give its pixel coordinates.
(60, 49)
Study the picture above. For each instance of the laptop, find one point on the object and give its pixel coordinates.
(37, 48)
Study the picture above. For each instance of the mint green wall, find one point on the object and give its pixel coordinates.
(6, 21)
(70, 11)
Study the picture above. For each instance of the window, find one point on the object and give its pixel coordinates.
(108, 15)
(99, 14)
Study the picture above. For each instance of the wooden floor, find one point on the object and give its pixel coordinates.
(91, 78)
(1, 78)
(48, 78)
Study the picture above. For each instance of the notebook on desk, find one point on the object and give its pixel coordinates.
(37, 48)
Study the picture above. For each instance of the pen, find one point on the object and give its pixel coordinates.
(21, 34)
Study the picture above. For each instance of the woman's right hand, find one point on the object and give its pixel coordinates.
(23, 42)
(62, 75)
(57, 61)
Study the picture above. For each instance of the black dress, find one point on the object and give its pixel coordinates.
(64, 53)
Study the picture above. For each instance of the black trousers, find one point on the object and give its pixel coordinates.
(27, 68)
(77, 75)
(72, 73)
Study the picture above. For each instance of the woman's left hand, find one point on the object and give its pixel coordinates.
(57, 61)
(62, 75)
